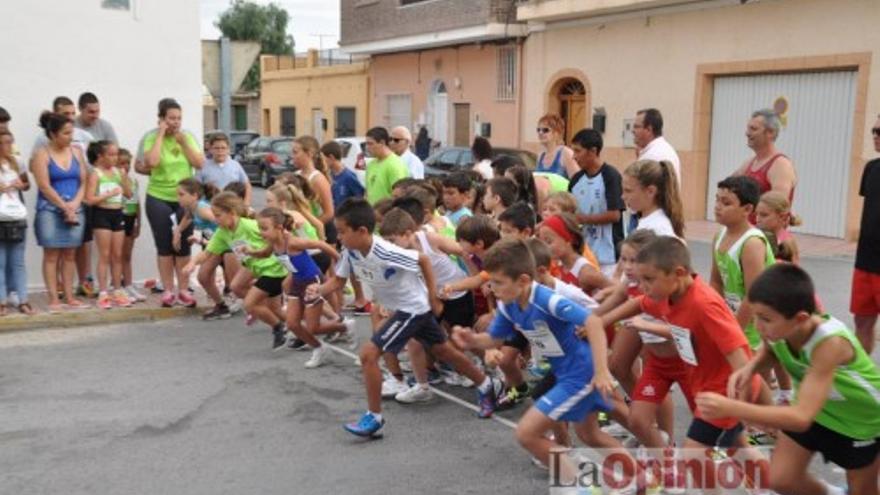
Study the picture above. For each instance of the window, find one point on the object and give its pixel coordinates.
(239, 117)
(116, 4)
(288, 121)
(345, 122)
(506, 77)
(398, 110)
(282, 147)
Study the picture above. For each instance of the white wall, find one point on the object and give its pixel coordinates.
(129, 59)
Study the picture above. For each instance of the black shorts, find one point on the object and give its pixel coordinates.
(518, 342)
(459, 311)
(842, 450)
(159, 215)
(88, 225)
(270, 285)
(543, 386)
(107, 219)
(128, 224)
(298, 288)
(708, 434)
(323, 260)
(400, 327)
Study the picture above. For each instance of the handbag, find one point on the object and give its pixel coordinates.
(12, 208)
(13, 231)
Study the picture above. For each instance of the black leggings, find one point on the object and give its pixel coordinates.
(159, 215)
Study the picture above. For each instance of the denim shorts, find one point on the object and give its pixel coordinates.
(52, 232)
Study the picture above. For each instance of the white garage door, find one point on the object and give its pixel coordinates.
(817, 137)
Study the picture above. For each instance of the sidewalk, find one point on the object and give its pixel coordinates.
(813, 246)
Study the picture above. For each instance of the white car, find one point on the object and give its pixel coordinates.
(354, 155)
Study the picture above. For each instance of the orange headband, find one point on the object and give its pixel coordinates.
(557, 225)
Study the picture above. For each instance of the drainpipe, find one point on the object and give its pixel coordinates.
(225, 85)
(519, 91)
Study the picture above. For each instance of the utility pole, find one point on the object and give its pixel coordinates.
(225, 123)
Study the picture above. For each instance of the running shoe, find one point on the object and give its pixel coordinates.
(249, 319)
(539, 370)
(135, 294)
(487, 401)
(297, 344)
(186, 299)
(121, 299)
(218, 312)
(392, 386)
(318, 357)
(511, 398)
(234, 304)
(86, 289)
(361, 310)
(416, 393)
(367, 426)
(168, 299)
(104, 300)
(278, 339)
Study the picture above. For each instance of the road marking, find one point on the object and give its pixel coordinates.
(445, 395)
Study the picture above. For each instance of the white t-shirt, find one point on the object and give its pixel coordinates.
(574, 294)
(393, 274)
(414, 164)
(658, 222)
(81, 140)
(659, 149)
(484, 167)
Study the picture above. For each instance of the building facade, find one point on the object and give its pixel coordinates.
(452, 66)
(707, 65)
(321, 96)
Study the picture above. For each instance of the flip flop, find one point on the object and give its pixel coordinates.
(77, 304)
(55, 308)
(27, 309)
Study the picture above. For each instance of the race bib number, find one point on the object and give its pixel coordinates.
(239, 250)
(285, 262)
(733, 302)
(682, 338)
(106, 187)
(648, 337)
(543, 339)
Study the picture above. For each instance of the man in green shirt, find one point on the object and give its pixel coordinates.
(385, 169)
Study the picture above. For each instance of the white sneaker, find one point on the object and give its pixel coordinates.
(135, 294)
(416, 393)
(350, 334)
(391, 387)
(319, 356)
(234, 304)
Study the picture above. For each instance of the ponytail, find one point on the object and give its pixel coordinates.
(229, 202)
(278, 217)
(662, 176)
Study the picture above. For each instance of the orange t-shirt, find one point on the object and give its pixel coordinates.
(714, 334)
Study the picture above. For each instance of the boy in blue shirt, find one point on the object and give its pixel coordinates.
(345, 183)
(456, 195)
(549, 322)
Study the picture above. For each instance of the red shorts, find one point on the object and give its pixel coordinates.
(658, 375)
(865, 295)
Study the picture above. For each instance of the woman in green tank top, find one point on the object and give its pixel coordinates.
(837, 406)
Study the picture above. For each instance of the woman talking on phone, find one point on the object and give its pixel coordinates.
(169, 155)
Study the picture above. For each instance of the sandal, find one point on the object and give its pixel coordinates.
(27, 309)
(55, 308)
(77, 304)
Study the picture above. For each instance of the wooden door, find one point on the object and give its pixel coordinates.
(462, 124)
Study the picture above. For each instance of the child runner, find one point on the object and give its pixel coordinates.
(291, 252)
(837, 412)
(107, 185)
(650, 190)
(456, 193)
(131, 211)
(501, 192)
(548, 321)
(559, 202)
(259, 281)
(774, 214)
(517, 221)
(562, 234)
(403, 282)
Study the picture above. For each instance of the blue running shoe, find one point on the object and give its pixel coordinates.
(367, 426)
(487, 402)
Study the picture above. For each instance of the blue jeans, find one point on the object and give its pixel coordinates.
(13, 276)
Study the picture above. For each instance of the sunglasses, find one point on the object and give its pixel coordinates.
(543, 130)
(875, 131)
(397, 140)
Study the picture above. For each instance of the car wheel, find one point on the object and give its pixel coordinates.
(264, 178)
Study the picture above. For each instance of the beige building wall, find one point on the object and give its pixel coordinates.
(289, 82)
(668, 61)
(470, 75)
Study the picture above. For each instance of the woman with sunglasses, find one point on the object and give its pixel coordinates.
(556, 157)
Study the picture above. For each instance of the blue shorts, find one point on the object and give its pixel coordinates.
(51, 231)
(401, 327)
(571, 400)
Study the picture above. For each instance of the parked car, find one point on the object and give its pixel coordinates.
(237, 141)
(354, 155)
(265, 158)
(454, 158)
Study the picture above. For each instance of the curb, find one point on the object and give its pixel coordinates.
(68, 319)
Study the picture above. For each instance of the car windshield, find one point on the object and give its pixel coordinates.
(281, 147)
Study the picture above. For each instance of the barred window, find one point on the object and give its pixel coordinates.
(506, 90)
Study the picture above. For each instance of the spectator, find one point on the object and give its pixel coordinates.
(399, 143)
(648, 136)
(550, 129)
(598, 190)
(423, 143)
(503, 162)
(170, 154)
(90, 119)
(482, 151)
(63, 105)
(865, 298)
(60, 173)
(345, 183)
(221, 169)
(13, 274)
(769, 167)
(385, 168)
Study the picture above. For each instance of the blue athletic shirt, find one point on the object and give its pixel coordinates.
(549, 324)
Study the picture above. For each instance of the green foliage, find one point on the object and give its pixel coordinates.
(245, 20)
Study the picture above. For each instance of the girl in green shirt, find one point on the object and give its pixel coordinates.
(242, 236)
(837, 405)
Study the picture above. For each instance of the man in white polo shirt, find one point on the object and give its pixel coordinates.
(399, 144)
(648, 136)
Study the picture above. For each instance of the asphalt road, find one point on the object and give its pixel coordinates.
(184, 406)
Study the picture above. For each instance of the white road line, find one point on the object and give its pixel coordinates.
(447, 396)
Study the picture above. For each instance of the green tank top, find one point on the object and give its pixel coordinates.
(557, 182)
(853, 405)
(730, 268)
(107, 183)
(308, 231)
(130, 205)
